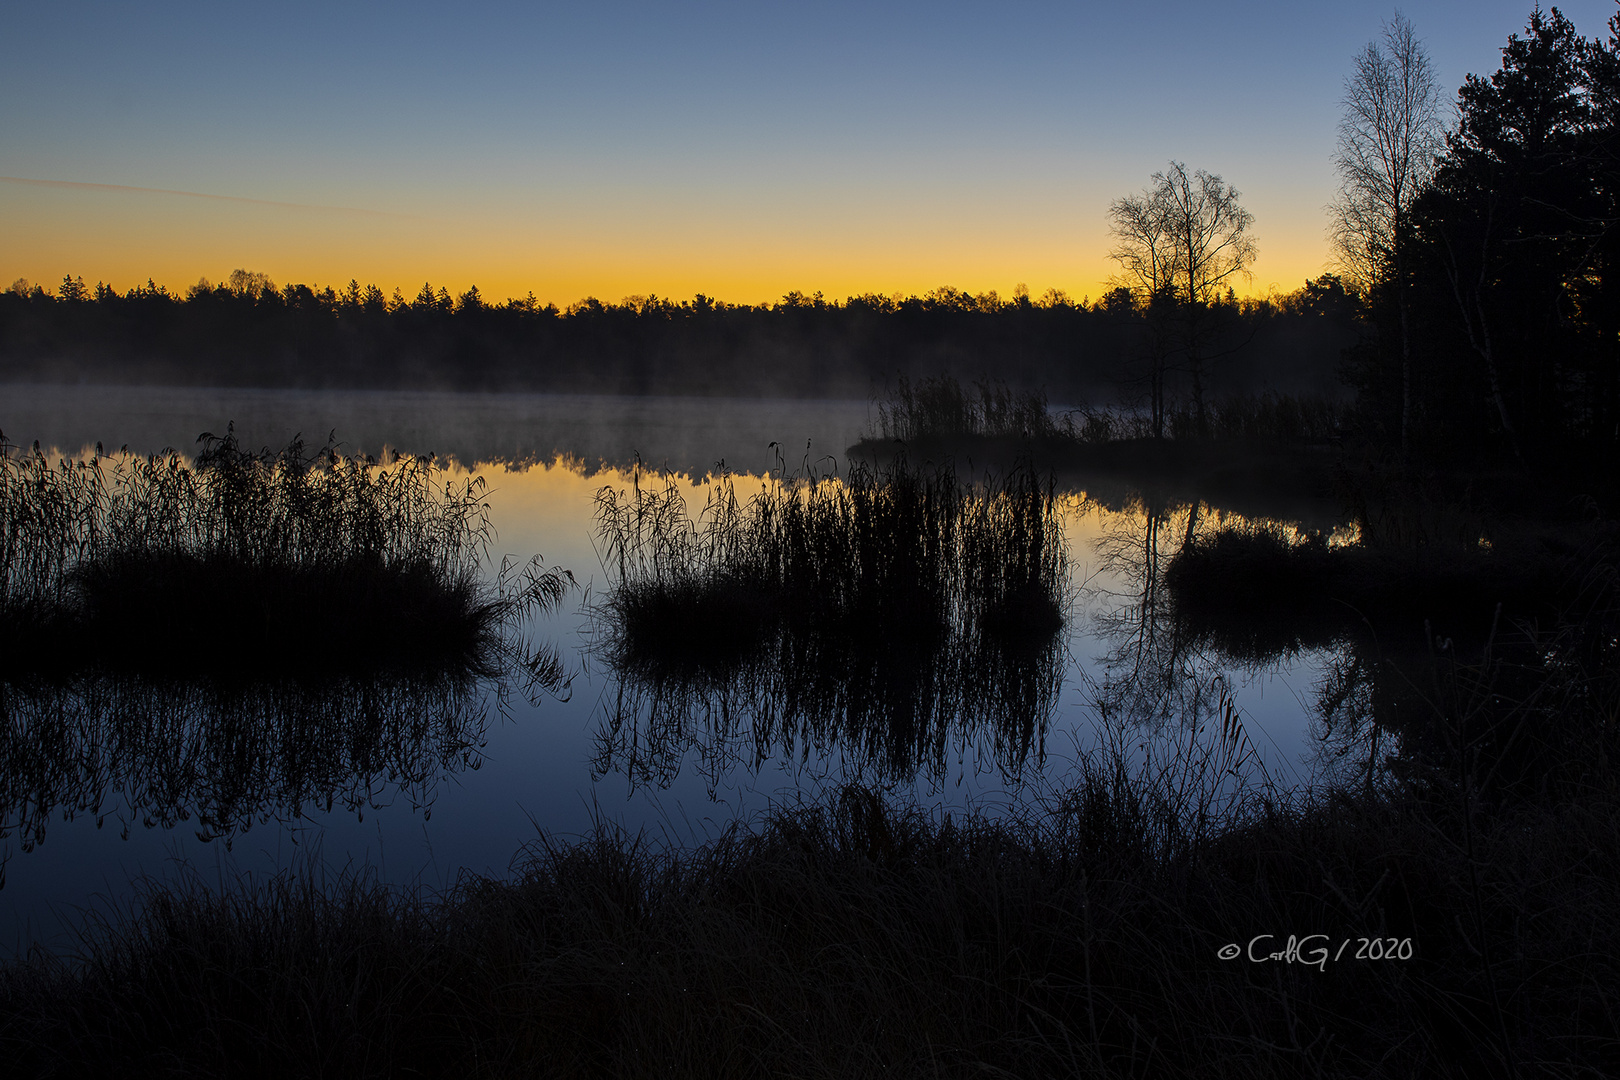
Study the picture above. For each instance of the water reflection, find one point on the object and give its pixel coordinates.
(1156, 671)
(1170, 662)
(889, 620)
(224, 757)
(1353, 747)
(894, 710)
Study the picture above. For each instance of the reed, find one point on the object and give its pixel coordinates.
(878, 611)
(1255, 591)
(1268, 419)
(853, 934)
(940, 407)
(269, 560)
(882, 551)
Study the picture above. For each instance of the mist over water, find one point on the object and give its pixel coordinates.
(687, 435)
(548, 760)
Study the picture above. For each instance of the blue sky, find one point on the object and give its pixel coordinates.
(739, 150)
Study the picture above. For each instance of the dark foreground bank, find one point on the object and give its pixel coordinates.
(1433, 923)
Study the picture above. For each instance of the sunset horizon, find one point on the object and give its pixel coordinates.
(591, 270)
(730, 540)
(576, 155)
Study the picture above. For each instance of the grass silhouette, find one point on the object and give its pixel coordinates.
(881, 611)
(854, 935)
(249, 562)
(884, 553)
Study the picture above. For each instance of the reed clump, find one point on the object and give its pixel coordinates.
(879, 612)
(890, 554)
(941, 408)
(1259, 588)
(261, 561)
(1267, 418)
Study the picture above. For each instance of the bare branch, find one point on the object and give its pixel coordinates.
(1388, 139)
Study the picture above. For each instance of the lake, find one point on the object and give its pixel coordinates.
(106, 784)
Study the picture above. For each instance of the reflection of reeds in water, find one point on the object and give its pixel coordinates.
(225, 757)
(878, 612)
(247, 636)
(227, 752)
(246, 560)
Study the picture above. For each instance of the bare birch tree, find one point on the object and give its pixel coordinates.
(1387, 144)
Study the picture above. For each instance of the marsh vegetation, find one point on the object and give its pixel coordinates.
(881, 612)
(248, 636)
(854, 935)
(1463, 812)
(254, 563)
(1466, 808)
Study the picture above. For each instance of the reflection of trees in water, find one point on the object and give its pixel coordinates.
(1154, 672)
(893, 705)
(1354, 736)
(1165, 667)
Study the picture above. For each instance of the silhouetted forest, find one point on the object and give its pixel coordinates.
(248, 332)
(1511, 257)
(1484, 326)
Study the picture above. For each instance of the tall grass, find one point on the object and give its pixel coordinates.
(940, 407)
(1256, 592)
(1266, 418)
(275, 560)
(1083, 932)
(884, 609)
(852, 935)
(881, 550)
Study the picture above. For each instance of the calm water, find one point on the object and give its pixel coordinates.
(420, 789)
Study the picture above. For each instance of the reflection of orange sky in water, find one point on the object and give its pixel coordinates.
(550, 510)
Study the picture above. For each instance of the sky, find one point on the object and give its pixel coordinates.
(739, 150)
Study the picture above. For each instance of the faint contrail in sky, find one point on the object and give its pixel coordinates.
(194, 195)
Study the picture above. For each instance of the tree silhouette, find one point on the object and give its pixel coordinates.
(1387, 141)
(1184, 238)
(1145, 252)
(1509, 226)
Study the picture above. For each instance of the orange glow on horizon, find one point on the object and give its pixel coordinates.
(124, 236)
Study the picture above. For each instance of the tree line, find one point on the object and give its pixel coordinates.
(1489, 254)
(247, 331)
(1485, 258)
(1475, 311)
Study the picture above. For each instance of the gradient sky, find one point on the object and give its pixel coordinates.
(739, 150)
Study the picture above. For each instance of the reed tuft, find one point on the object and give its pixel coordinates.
(259, 561)
(881, 610)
